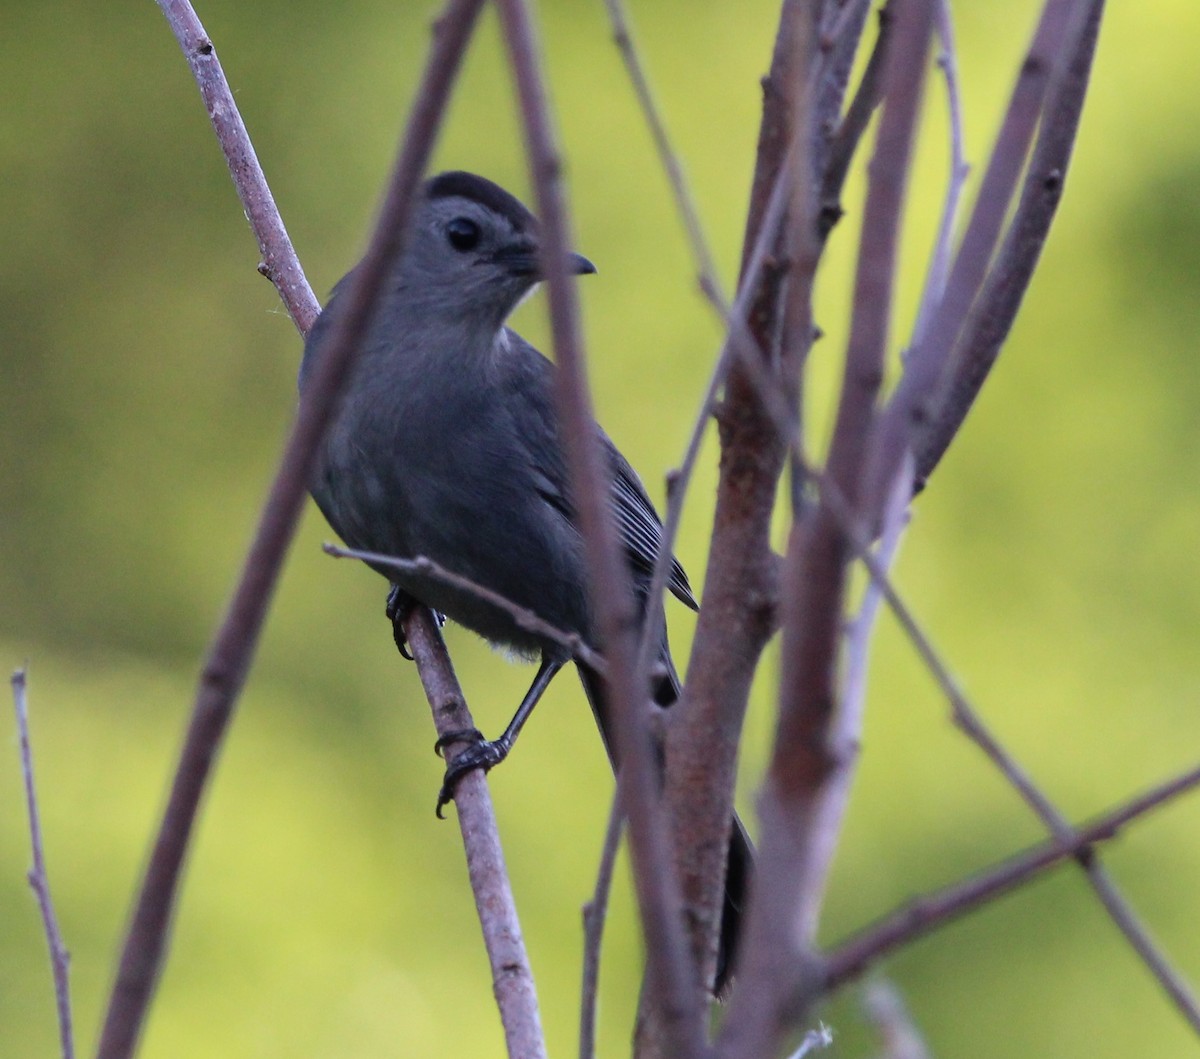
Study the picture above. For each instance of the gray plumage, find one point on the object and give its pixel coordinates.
(446, 445)
(456, 455)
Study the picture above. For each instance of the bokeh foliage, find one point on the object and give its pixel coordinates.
(148, 378)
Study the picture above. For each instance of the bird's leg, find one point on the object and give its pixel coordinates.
(486, 754)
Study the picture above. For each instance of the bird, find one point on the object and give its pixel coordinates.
(445, 446)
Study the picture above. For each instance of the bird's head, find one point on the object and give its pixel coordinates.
(474, 249)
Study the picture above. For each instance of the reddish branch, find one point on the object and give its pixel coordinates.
(233, 647)
(815, 577)
(739, 588)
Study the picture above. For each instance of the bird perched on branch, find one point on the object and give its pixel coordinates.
(445, 445)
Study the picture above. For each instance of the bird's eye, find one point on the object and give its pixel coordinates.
(463, 234)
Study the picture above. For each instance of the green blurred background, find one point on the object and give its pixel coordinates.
(148, 379)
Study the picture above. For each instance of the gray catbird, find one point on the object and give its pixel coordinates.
(445, 445)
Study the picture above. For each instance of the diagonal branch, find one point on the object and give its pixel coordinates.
(279, 263)
(921, 917)
(512, 977)
(232, 650)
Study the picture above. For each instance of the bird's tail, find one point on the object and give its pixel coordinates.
(741, 853)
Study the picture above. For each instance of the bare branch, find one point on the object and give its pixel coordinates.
(233, 646)
(706, 268)
(595, 914)
(888, 1013)
(279, 263)
(512, 978)
(1009, 278)
(849, 959)
(39, 881)
(844, 142)
(741, 579)
(672, 977)
(926, 361)
(939, 260)
(776, 947)
(523, 616)
(845, 733)
(1119, 910)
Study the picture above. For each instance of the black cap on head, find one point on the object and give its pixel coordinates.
(457, 184)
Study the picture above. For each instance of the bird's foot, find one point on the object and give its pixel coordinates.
(399, 607)
(479, 754)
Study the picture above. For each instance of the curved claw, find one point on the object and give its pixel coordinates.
(479, 755)
(457, 735)
(399, 603)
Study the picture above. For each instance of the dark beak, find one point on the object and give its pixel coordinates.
(522, 260)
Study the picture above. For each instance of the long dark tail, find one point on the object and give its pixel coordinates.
(741, 852)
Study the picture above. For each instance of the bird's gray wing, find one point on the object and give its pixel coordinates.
(530, 377)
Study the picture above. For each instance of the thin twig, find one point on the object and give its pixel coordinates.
(673, 979)
(845, 733)
(918, 918)
(813, 1041)
(512, 977)
(889, 1015)
(279, 263)
(939, 260)
(595, 914)
(39, 881)
(523, 616)
(844, 142)
(233, 646)
(1119, 910)
(706, 268)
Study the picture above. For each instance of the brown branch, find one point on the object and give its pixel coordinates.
(925, 363)
(595, 914)
(672, 978)
(39, 880)
(815, 584)
(740, 582)
(512, 977)
(233, 647)
(853, 956)
(279, 263)
(1002, 294)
